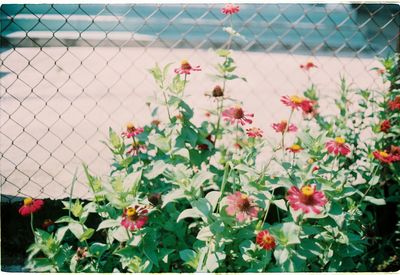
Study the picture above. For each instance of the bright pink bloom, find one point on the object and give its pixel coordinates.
(297, 102)
(338, 146)
(265, 240)
(385, 126)
(134, 217)
(383, 156)
(186, 68)
(394, 104)
(306, 199)
(281, 127)
(241, 206)
(132, 131)
(236, 114)
(30, 206)
(254, 132)
(295, 148)
(230, 9)
(308, 66)
(309, 107)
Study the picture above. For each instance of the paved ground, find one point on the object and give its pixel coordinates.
(56, 112)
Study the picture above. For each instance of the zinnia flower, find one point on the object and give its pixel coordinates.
(338, 146)
(383, 156)
(236, 114)
(254, 132)
(30, 206)
(308, 66)
(217, 91)
(394, 104)
(186, 68)
(306, 199)
(241, 206)
(281, 127)
(230, 9)
(385, 126)
(265, 240)
(134, 217)
(295, 148)
(309, 107)
(155, 199)
(137, 148)
(395, 152)
(131, 130)
(81, 253)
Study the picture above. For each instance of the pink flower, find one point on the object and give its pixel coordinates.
(394, 104)
(241, 206)
(309, 107)
(306, 199)
(30, 206)
(308, 66)
(132, 131)
(254, 132)
(265, 240)
(137, 148)
(338, 146)
(281, 127)
(186, 68)
(296, 102)
(230, 9)
(383, 156)
(134, 217)
(236, 114)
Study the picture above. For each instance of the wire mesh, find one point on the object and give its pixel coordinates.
(70, 71)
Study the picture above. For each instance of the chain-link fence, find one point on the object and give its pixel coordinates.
(68, 72)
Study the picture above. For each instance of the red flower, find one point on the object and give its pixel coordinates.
(309, 107)
(338, 146)
(30, 206)
(295, 148)
(134, 217)
(308, 66)
(241, 206)
(315, 168)
(230, 9)
(394, 104)
(132, 131)
(383, 156)
(385, 126)
(306, 199)
(186, 68)
(254, 132)
(265, 240)
(236, 114)
(281, 127)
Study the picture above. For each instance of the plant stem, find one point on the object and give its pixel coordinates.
(70, 193)
(33, 230)
(224, 180)
(137, 148)
(166, 104)
(284, 132)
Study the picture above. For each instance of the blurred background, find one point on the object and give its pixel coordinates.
(68, 72)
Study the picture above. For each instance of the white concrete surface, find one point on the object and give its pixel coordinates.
(57, 103)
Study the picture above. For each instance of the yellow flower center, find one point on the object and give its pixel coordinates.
(307, 190)
(295, 147)
(130, 212)
(244, 196)
(340, 140)
(184, 62)
(130, 126)
(28, 201)
(310, 161)
(383, 154)
(296, 99)
(268, 239)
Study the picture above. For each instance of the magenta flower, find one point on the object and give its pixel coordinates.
(281, 127)
(395, 103)
(241, 206)
(230, 9)
(307, 66)
(132, 131)
(338, 146)
(254, 132)
(306, 199)
(236, 114)
(30, 206)
(134, 217)
(186, 68)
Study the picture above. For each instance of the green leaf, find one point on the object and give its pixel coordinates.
(77, 209)
(65, 219)
(126, 252)
(212, 198)
(76, 229)
(203, 206)
(190, 257)
(281, 204)
(107, 224)
(281, 255)
(205, 234)
(157, 169)
(97, 249)
(188, 213)
(223, 52)
(132, 180)
(120, 234)
(86, 235)
(189, 135)
(161, 142)
(172, 196)
(61, 233)
(375, 200)
(115, 140)
(214, 260)
(200, 178)
(150, 251)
